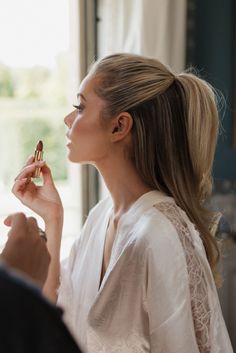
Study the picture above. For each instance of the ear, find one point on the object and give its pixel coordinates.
(121, 126)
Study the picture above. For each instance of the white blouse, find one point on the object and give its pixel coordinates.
(158, 294)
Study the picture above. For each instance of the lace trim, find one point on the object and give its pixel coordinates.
(197, 283)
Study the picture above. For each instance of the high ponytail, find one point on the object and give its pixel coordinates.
(203, 124)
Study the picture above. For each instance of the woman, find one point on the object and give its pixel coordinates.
(140, 278)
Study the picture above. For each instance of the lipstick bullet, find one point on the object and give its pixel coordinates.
(38, 156)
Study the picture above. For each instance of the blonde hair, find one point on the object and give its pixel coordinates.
(175, 129)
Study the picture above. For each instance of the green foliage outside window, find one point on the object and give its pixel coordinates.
(6, 82)
(33, 103)
(53, 140)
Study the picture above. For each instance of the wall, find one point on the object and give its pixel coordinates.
(212, 51)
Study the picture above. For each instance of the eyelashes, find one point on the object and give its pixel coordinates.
(79, 107)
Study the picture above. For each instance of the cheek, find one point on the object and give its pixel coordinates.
(84, 129)
(76, 129)
(83, 137)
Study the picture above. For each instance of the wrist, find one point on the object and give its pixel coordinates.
(56, 216)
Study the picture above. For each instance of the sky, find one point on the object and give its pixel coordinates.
(33, 32)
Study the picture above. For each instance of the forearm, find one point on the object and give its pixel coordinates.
(53, 229)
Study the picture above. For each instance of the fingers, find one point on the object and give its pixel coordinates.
(14, 217)
(47, 175)
(25, 225)
(29, 161)
(32, 226)
(21, 224)
(19, 219)
(29, 170)
(17, 222)
(25, 250)
(20, 186)
(7, 220)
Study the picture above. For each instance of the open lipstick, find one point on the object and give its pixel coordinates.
(38, 156)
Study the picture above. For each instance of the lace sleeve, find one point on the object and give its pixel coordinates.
(201, 314)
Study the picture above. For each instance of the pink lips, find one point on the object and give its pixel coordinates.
(69, 141)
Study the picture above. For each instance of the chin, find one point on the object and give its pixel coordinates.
(72, 158)
(76, 159)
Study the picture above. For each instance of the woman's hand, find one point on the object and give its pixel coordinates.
(44, 200)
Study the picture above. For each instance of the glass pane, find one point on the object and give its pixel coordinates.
(34, 85)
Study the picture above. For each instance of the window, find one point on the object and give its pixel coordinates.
(36, 92)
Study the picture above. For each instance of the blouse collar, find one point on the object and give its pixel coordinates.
(142, 204)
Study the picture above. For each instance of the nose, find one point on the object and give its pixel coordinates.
(68, 120)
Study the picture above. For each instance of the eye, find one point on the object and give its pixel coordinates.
(79, 107)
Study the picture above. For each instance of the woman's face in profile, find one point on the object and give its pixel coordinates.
(88, 137)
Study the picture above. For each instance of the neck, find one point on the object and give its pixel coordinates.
(124, 184)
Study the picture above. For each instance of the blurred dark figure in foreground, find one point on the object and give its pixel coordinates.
(28, 322)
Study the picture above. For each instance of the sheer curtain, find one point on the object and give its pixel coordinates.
(154, 28)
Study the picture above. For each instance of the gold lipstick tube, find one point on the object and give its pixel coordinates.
(38, 156)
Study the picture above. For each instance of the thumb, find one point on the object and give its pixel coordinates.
(14, 219)
(7, 221)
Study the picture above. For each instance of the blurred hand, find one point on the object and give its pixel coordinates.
(44, 200)
(25, 250)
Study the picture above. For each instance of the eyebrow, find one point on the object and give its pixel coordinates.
(81, 95)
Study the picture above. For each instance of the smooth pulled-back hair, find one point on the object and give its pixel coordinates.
(174, 133)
